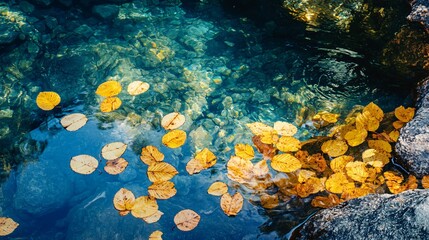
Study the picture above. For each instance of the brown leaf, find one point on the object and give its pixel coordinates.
(7, 226)
(267, 150)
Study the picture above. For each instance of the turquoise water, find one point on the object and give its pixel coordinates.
(220, 71)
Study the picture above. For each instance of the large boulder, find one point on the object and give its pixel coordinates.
(412, 146)
(420, 12)
(385, 216)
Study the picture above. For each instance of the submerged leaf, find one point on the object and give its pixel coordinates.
(174, 139)
(338, 164)
(404, 114)
(269, 201)
(231, 205)
(162, 190)
(244, 151)
(110, 104)
(137, 87)
(285, 163)
(150, 154)
(113, 150)
(357, 171)
(186, 220)
(160, 172)
(172, 121)
(217, 189)
(144, 207)
(267, 150)
(285, 128)
(311, 186)
(83, 164)
(7, 226)
(260, 169)
(373, 110)
(48, 100)
(73, 122)
(123, 200)
(334, 148)
(109, 89)
(116, 166)
(325, 202)
(239, 170)
(258, 128)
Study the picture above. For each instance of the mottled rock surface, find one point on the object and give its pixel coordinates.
(402, 216)
(420, 12)
(106, 11)
(412, 146)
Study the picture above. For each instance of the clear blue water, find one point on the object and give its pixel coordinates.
(262, 78)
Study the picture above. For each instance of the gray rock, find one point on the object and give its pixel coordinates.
(106, 11)
(41, 189)
(420, 12)
(385, 216)
(412, 146)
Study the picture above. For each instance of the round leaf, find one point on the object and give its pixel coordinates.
(186, 220)
(123, 200)
(73, 122)
(380, 145)
(110, 104)
(113, 150)
(154, 217)
(172, 121)
(218, 189)
(356, 137)
(109, 89)
(174, 139)
(116, 166)
(162, 190)
(373, 110)
(285, 129)
(144, 207)
(338, 182)
(151, 154)
(156, 235)
(269, 201)
(206, 157)
(357, 171)
(244, 151)
(137, 87)
(288, 144)
(160, 172)
(338, 164)
(83, 164)
(239, 170)
(334, 148)
(7, 226)
(48, 100)
(285, 163)
(231, 205)
(404, 114)
(258, 128)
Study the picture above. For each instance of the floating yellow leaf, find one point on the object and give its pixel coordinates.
(316, 162)
(311, 186)
(144, 206)
(231, 205)
(150, 154)
(380, 145)
(186, 220)
(425, 181)
(172, 121)
(161, 171)
(218, 189)
(270, 137)
(357, 171)
(356, 137)
(154, 217)
(203, 159)
(162, 190)
(404, 114)
(324, 118)
(338, 164)
(73, 122)
(338, 182)
(113, 150)
(109, 89)
(123, 200)
(366, 121)
(373, 110)
(83, 164)
(285, 163)
(174, 139)
(260, 169)
(325, 202)
(258, 128)
(137, 87)
(288, 144)
(393, 176)
(372, 155)
(334, 148)
(239, 169)
(244, 151)
(110, 104)
(156, 235)
(7, 226)
(355, 193)
(269, 201)
(194, 166)
(116, 166)
(394, 135)
(48, 100)
(304, 174)
(398, 124)
(285, 128)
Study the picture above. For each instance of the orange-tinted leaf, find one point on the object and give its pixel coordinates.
(206, 157)
(7, 226)
(109, 89)
(244, 151)
(239, 170)
(172, 121)
(356, 137)
(404, 114)
(150, 154)
(267, 150)
(48, 100)
(110, 104)
(123, 200)
(355, 193)
(218, 189)
(162, 190)
(186, 220)
(161, 171)
(116, 166)
(113, 150)
(174, 139)
(311, 186)
(316, 162)
(303, 175)
(338, 164)
(374, 110)
(156, 235)
(425, 181)
(325, 202)
(137, 87)
(73, 122)
(398, 124)
(231, 205)
(288, 144)
(357, 171)
(334, 148)
(285, 163)
(269, 137)
(394, 135)
(269, 201)
(83, 164)
(285, 129)
(338, 182)
(144, 207)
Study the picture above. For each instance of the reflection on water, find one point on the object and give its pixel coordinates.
(220, 73)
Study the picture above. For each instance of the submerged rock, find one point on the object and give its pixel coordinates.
(385, 216)
(420, 12)
(106, 11)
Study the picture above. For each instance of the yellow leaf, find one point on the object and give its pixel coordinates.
(334, 148)
(258, 128)
(123, 200)
(355, 193)
(393, 176)
(325, 202)
(113, 150)
(48, 100)
(380, 145)
(357, 171)
(288, 144)
(368, 122)
(373, 155)
(194, 166)
(172, 121)
(154, 217)
(150, 154)
(186, 220)
(356, 137)
(110, 104)
(144, 207)
(316, 162)
(269, 201)
(174, 139)
(270, 137)
(285, 163)
(260, 169)
(7, 226)
(303, 175)
(109, 89)
(394, 135)
(217, 189)
(239, 170)
(425, 181)
(338, 182)
(285, 129)
(311, 186)
(116, 166)
(156, 235)
(374, 110)
(206, 157)
(83, 164)
(162, 190)
(137, 87)
(324, 118)
(398, 124)
(73, 122)
(231, 205)
(160, 172)
(338, 164)
(404, 114)
(244, 151)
